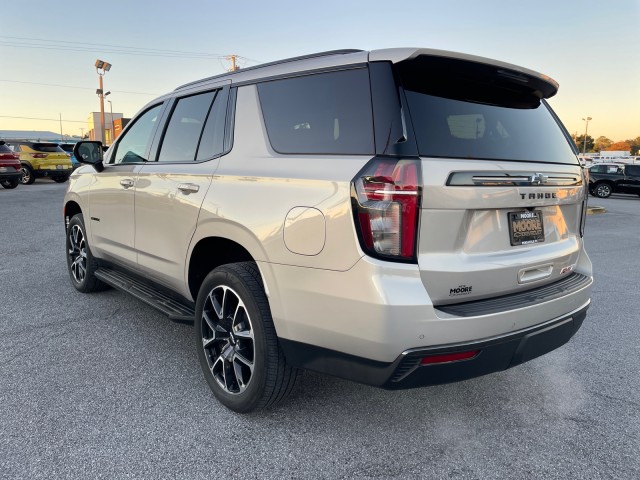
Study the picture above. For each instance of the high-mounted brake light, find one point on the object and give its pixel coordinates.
(386, 198)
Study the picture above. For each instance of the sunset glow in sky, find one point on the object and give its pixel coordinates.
(48, 49)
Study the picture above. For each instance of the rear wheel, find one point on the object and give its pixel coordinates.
(10, 183)
(80, 261)
(236, 340)
(59, 179)
(603, 190)
(27, 175)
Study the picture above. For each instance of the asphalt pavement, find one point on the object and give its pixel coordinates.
(102, 386)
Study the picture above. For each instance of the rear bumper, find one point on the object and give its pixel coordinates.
(52, 172)
(494, 354)
(11, 175)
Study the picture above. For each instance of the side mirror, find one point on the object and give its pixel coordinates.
(90, 153)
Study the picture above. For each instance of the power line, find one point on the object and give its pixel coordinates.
(48, 119)
(77, 88)
(116, 46)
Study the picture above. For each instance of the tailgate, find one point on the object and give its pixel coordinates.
(501, 227)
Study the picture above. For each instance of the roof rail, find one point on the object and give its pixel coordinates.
(278, 62)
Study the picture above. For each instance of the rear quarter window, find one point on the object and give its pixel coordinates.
(327, 113)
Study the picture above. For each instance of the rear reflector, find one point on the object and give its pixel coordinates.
(449, 357)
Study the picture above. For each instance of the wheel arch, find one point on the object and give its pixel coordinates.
(209, 253)
(71, 208)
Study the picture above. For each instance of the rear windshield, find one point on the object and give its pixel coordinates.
(454, 128)
(466, 110)
(5, 149)
(47, 147)
(67, 147)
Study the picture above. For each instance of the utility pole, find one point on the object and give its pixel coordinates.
(61, 135)
(234, 67)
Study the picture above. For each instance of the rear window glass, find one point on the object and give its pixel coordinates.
(47, 147)
(5, 149)
(455, 128)
(328, 113)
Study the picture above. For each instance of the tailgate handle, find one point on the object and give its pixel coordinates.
(533, 274)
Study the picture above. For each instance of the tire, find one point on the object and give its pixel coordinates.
(80, 261)
(603, 190)
(242, 361)
(27, 175)
(59, 179)
(10, 183)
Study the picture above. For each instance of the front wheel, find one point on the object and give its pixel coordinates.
(80, 261)
(10, 183)
(603, 190)
(59, 179)
(236, 340)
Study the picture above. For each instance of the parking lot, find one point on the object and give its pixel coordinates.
(102, 386)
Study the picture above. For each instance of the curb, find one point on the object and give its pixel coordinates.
(595, 210)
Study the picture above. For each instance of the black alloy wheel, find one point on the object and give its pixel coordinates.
(236, 340)
(80, 261)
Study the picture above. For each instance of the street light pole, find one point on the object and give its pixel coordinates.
(105, 67)
(111, 137)
(586, 127)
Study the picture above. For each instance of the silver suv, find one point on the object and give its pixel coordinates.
(400, 217)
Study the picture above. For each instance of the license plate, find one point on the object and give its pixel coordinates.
(526, 227)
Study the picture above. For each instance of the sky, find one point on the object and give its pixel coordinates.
(48, 49)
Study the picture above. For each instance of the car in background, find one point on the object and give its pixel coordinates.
(68, 147)
(10, 169)
(40, 159)
(608, 178)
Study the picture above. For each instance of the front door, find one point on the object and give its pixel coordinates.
(112, 193)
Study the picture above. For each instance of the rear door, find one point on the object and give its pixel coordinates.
(503, 190)
(632, 179)
(170, 190)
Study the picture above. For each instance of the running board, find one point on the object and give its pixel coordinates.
(176, 311)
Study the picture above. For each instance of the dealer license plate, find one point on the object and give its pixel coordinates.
(526, 227)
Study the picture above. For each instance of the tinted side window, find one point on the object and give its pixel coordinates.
(134, 143)
(327, 113)
(183, 133)
(212, 142)
(633, 170)
(599, 169)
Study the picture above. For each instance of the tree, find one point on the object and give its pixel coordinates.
(602, 143)
(579, 141)
(634, 145)
(619, 147)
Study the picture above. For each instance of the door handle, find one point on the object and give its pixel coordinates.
(188, 187)
(126, 183)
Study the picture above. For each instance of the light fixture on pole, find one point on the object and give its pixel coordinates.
(102, 67)
(586, 126)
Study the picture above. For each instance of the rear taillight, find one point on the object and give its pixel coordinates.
(386, 206)
(39, 155)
